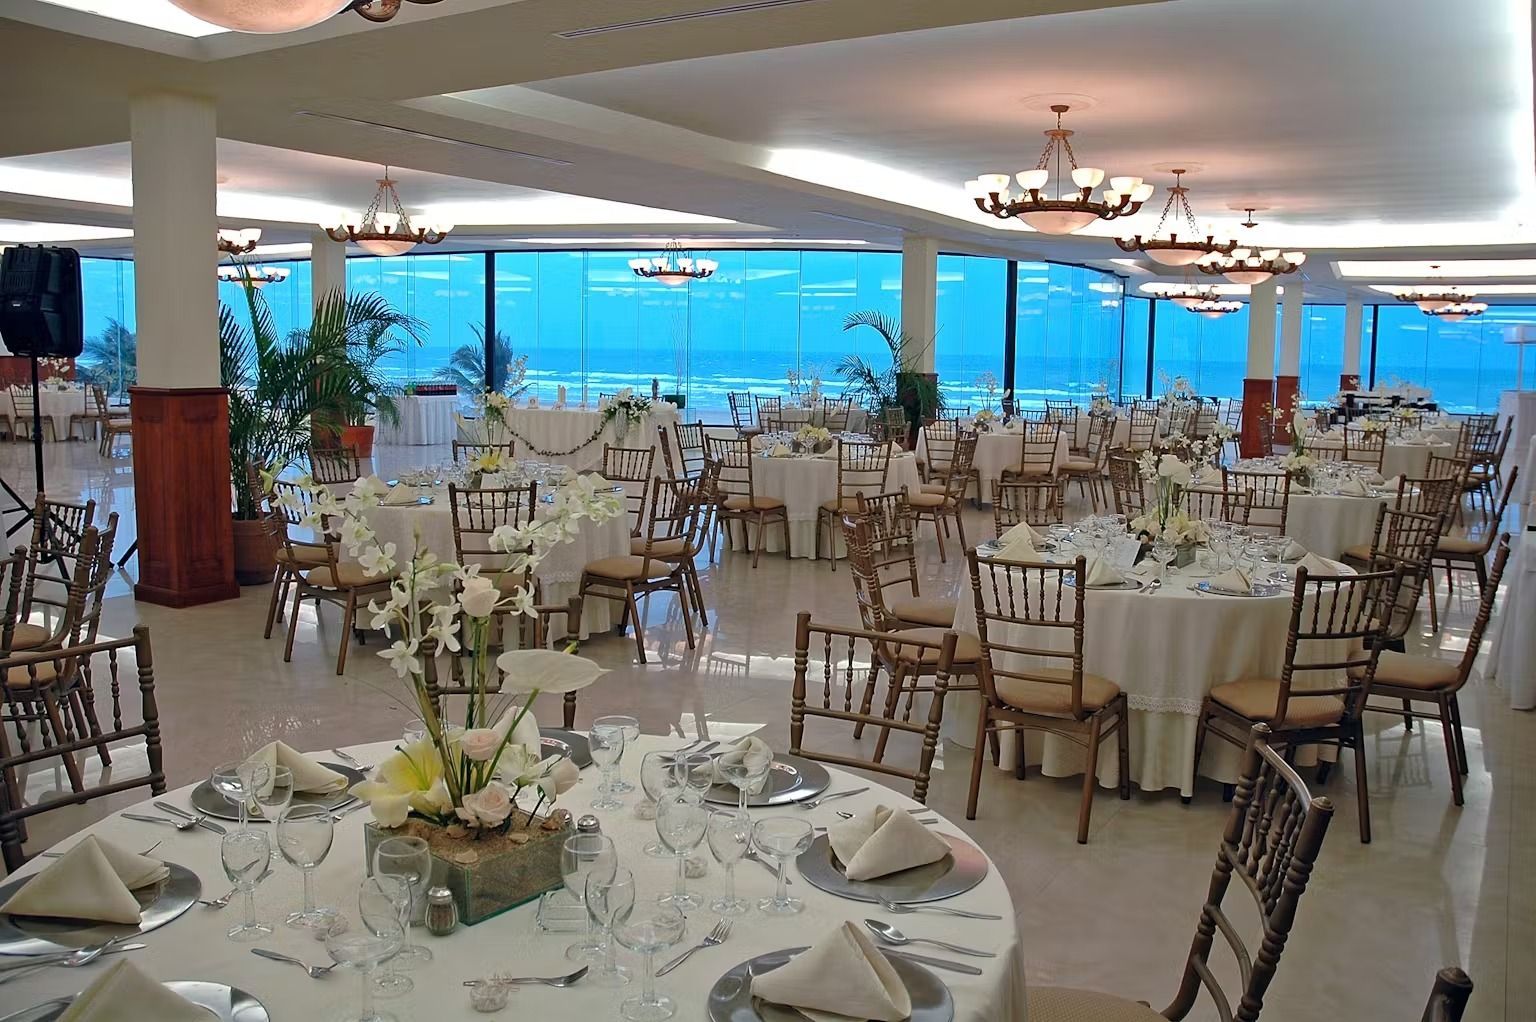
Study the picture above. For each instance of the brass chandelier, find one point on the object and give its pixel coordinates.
(1072, 210)
(1249, 264)
(1457, 312)
(676, 265)
(241, 242)
(1173, 250)
(1432, 302)
(384, 228)
(1214, 309)
(257, 276)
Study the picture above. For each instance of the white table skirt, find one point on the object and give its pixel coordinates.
(1512, 659)
(1327, 524)
(194, 946)
(57, 405)
(424, 419)
(570, 431)
(804, 484)
(1399, 459)
(995, 452)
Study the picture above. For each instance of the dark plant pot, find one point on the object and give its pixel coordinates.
(254, 553)
(359, 438)
(680, 400)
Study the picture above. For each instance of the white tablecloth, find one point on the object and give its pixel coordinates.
(57, 405)
(796, 416)
(1327, 524)
(995, 452)
(1512, 659)
(804, 484)
(570, 431)
(1399, 459)
(424, 419)
(194, 946)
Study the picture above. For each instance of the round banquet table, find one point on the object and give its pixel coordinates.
(424, 419)
(571, 432)
(57, 405)
(804, 483)
(1326, 523)
(194, 946)
(795, 416)
(995, 452)
(1166, 651)
(1409, 459)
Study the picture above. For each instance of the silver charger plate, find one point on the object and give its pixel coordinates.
(1260, 589)
(225, 1003)
(559, 741)
(731, 1000)
(206, 800)
(790, 779)
(963, 868)
(158, 905)
(1124, 584)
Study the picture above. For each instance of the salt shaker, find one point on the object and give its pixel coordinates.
(442, 916)
(589, 824)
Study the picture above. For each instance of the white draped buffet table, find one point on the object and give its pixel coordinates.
(193, 947)
(573, 433)
(57, 405)
(424, 419)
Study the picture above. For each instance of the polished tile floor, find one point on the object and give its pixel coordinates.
(1439, 885)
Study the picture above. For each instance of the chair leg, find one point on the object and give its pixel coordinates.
(788, 553)
(996, 744)
(869, 697)
(1200, 729)
(56, 721)
(293, 622)
(1090, 781)
(1362, 792)
(634, 612)
(568, 709)
(1434, 606)
(757, 549)
(348, 616)
(698, 592)
(1020, 759)
(938, 534)
(1407, 714)
(820, 513)
(1482, 575)
(1123, 738)
(960, 527)
(1461, 739)
(278, 592)
(976, 754)
(682, 598)
(1452, 757)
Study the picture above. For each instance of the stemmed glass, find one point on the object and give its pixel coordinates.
(681, 819)
(609, 898)
(649, 929)
(363, 951)
(1163, 552)
(247, 858)
(730, 835)
(382, 901)
(746, 775)
(237, 780)
(581, 856)
(631, 728)
(410, 859)
(270, 800)
(607, 745)
(658, 775)
(782, 838)
(304, 836)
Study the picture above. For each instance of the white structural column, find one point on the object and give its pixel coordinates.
(174, 230)
(1259, 386)
(1354, 332)
(327, 265)
(919, 296)
(1288, 375)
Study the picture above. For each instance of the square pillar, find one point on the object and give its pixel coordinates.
(1288, 377)
(327, 266)
(1259, 385)
(919, 296)
(1354, 323)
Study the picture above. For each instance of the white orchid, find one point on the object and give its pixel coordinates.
(401, 655)
(378, 561)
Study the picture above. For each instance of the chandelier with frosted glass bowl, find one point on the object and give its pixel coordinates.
(384, 228)
(1187, 296)
(1457, 311)
(1174, 250)
(269, 16)
(1252, 265)
(1214, 309)
(1435, 300)
(676, 265)
(257, 276)
(1070, 211)
(238, 242)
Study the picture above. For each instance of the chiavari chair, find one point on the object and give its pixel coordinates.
(1147, 404)
(835, 413)
(1485, 478)
(1264, 428)
(13, 572)
(842, 658)
(938, 448)
(1273, 835)
(23, 404)
(1471, 552)
(735, 492)
(861, 468)
(1448, 997)
(109, 426)
(1037, 453)
(339, 464)
(332, 580)
(1143, 430)
(1365, 447)
(631, 465)
(1259, 500)
(743, 408)
(1020, 607)
(893, 562)
(690, 447)
(1030, 416)
(465, 451)
(277, 517)
(477, 514)
(1088, 471)
(893, 425)
(940, 508)
(1063, 415)
(770, 414)
(1203, 423)
(1029, 501)
(53, 555)
(1207, 503)
(1337, 625)
(1125, 483)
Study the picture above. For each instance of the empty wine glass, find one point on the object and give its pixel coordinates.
(584, 855)
(270, 799)
(363, 951)
(410, 859)
(304, 836)
(1163, 552)
(631, 728)
(382, 902)
(782, 838)
(247, 858)
(658, 774)
(730, 835)
(747, 775)
(695, 771)
(607, 745)
(608, 898)
(647, 930)
(681, 820)
(236, 780)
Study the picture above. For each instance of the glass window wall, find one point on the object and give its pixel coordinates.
(1068, 333)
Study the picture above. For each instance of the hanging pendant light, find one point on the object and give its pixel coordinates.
(269, 16)
(257, 276)
(1248, 264)
(238, 242)
(675, 266)
(384, 228)
(1174, 250)
(1215, 310)
(1437, 300)
(1457, 312)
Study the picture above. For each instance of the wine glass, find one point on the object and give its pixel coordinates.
(363, 951)
(410, 859)
(580, 856)
(236, 781)
(382, 902)
(607, 745)
(730, 835)
(608, 898)
(647, 930)
(658, 775)
(746, 774)
(247, 858)
(681, 820)
(631, 728)
(782, 838)
(304, 836)
(695, 771)
(270, 800)
(1163, 552)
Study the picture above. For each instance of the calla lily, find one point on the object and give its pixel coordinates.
(409, 778)
(546, 670)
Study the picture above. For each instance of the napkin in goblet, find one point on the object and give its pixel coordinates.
(1352, 487)
(124, 994)
(883, 842)
(93, 880)
(840, 977)
(308, 775)
(749, 750)
(1016, 550)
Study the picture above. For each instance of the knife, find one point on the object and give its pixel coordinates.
(149, 819)
(18, 961)
(936, 963)
(201, 821)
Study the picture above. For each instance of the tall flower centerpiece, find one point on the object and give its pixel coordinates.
(988, 381)
(627, 409)
(1297, 461)
(1165, 517)
(812, 439)
(1101, 403)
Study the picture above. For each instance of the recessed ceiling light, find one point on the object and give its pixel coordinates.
(156, 14)
(1413, 269)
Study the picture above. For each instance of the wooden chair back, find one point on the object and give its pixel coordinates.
(957, 477)
(835, 413)
(1021, 609)
(53, 555)
(690, 448)
(861, 468)
(1257, 499)
(1062, 415)
(464, 451)
(742, 410)
(732, 471)
(893, 425)
(478, 513)
(632, 465)
(1101, 430)
(1449, 466)
(1035, 501)
(1234, 414)
(1336, 633)
(335, 464)
(842, 658)
(939, 439)
(1208, 504)
(675, 508)
(1428, 496)
(1204, 421)
(13, 572)
(1030, 416)
(1037, 450)
(1125, 483)
(1265, 428)
(1365, 447)
(892, 539)
(1143, 430)
(1448, 997)
(769, 409)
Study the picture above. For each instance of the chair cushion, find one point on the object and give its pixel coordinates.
(1358, 552)
(924, 612)
(660, 548)
(302, 557)
(29, 636)
(42, 674)
(349, 575)
(627, 568)
(1079, 465)
(935, 488)
(848, 504)
(1255, 699)
(1063, 1004)
(1408, 671)
(1458, 545)
(754, 504)
(1044, 697)
(926, 499)
(1034, 470)
(967, 646)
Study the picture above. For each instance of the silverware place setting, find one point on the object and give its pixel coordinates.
(885, 933)
(714, 938)
(315, 971)
(198, 819)
(812, 803)
(549, 981)
(178, 824)
(64, 959)
(218, 903)
(901, 908)
(351, 760)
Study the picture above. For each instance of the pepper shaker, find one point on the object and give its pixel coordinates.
(442, 916)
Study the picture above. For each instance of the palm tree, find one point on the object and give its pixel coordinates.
(111, 360)
(466, 366)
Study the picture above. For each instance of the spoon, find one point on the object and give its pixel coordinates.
(888, 934)
(350, 760)
(178, 824)
(901, 908)
(315, 971)
(813, 803)
(549, 981)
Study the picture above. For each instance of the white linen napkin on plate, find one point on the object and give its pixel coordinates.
(747, 750)
(1294, 551)
(1391, 485)
(1018, 550)
(1234, 580)
(779, 451)
(400, 494)
(1210, 475)
(883, 842)
(1316, 565)
(92, 880)
(1352, 487)
(842, 976)
(1022, 529)
(124, 994)
(308, 775)
(1101, 572)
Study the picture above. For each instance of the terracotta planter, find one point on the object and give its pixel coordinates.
(254, 553)
(359, 438)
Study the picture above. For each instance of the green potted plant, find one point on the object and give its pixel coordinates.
(898, 385)
(364, 389)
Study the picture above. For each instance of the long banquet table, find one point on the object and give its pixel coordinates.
(193, 947)
(575, 436)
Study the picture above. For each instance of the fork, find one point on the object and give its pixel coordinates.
(350, 760)
(813, 803)
(73, 960)
(178, 824)
(60, 855)
(217, 903)
(315, 971)
(715, 937)
(550, 981)
(901, 908)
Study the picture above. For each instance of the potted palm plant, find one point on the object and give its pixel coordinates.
(897, 385)
(357, 365)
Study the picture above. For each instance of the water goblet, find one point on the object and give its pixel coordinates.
(631, 728)
(382, 902)
(695, 770)
(607, 745)
(363, 951)
(647, 930)
(304, 836)
(581, 856)
(272, 801)
(410, 859)
(746, 775)
(1163, 552)
(782, 838)
(247, 859)
(236, 781)
(658, 775)
(730, 835)
(681, 820)
(609, 898)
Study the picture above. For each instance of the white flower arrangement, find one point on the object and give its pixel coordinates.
(1299, 463)
(1101, 403)
(1170, 476)
(1374, 425)
(490, 461)
(988, 381)
(813, 436)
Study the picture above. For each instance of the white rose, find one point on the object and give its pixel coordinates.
(479, 597)
(480, 744)
(488, 807)
(559, 778)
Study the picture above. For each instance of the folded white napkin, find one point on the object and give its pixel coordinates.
(1021, 530)
(124, 994)
(92, 880)
(1101, 572)
(1210, 475)
(882, 842)
(1294, 551)
(400, 494)
(1234, 580)
(759, 442)
(1391, 484)
(842, 976)
(1016, 551)
(750, 750)
(599, 481)
(1352, 487)
(308, 775)
(779, 451)
(1316, 565)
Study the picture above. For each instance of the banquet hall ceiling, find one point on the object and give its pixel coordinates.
(1361, 129)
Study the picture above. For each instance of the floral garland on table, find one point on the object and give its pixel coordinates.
(627, 408)
(465, 778)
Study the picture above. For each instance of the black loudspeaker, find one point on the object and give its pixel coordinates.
(40, 301)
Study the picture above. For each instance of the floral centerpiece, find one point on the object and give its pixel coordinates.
(1165, 517)
(984, 420)
(1297, 461)
(628, 409)
(1374, 425)
(1100, 403)
(54, 372)
(814, 439)
(489, 462)
(988, 381)
(494, 406)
